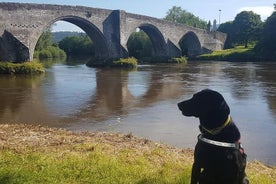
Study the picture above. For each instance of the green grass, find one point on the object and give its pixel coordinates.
(90, 164)
(21, 68)
(34, 154)
(239, 53)
(90, 167)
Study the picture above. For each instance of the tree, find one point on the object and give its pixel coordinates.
(227, 28)
(176, 14)
(77, 45)
(139, 45)
(44, 41)
(45, 48)
(209, 26)
(247, 27)
(267, 45)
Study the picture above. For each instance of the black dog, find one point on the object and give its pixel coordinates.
(218, 157)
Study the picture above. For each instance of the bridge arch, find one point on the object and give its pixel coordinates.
(101, 49)
(190, 44)
(156, 38)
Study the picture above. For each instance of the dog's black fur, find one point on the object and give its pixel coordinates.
(215, 164)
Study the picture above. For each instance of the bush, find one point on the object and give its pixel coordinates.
(50, 52)
(54, 51)
(125, 63)
(62, 54)
(178, 60)
(44, 54)
(21, 68)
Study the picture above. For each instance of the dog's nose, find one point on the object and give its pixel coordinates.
(181, 105)
(188, 107)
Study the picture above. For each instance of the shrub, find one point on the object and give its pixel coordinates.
(178, 60)
(50, 52)
(62, 54)
(21, 68)
(54, 51)
(125, 63)
(43, 54)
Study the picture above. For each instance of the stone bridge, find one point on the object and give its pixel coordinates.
(22, 24)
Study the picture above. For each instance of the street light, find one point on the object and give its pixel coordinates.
(219, 15)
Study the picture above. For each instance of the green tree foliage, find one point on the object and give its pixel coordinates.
(78, 45)
(46, 49)
(178, 15)
(247, 27)
(139, 45)
(44, 41)
(267, 45)
(228, 28)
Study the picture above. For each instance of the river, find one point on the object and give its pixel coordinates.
(144, 102)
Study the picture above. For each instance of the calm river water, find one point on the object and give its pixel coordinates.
(143, 102)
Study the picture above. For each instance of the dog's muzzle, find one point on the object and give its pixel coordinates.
(186, 108)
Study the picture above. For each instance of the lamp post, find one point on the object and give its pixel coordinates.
(219, 15)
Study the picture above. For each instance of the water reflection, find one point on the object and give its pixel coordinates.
(19, 96)
(115, 96)
(143, 102)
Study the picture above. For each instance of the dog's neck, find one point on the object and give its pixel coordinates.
(216, 130)
(229, 132)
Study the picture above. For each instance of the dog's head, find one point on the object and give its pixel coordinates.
(207, 105)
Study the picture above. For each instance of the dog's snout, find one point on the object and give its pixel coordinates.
(180, 105)
(186, 108)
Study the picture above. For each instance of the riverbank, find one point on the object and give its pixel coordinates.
(239, 53)
(36, 154)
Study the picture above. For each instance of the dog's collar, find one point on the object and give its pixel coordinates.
(217, 143)
(218, 129)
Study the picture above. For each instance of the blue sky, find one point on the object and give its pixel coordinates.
(206, 10)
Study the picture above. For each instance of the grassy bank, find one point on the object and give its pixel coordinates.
(239, 53)
(21, 68)
(34, 154)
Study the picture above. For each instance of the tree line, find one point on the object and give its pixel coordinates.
(247, 29)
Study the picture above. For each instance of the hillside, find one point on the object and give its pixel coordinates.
(58, 36)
